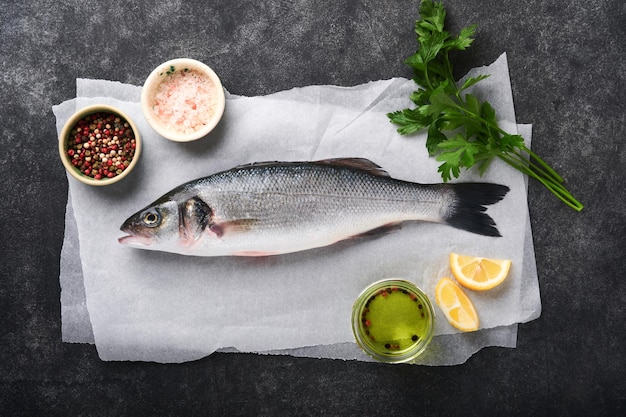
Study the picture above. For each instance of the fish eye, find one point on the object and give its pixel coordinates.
(151, 218)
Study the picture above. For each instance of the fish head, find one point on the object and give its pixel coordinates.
(168, 224)
(155, 225)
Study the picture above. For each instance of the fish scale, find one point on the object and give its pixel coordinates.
(279, 193)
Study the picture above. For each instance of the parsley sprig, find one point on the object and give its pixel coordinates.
(442, 105)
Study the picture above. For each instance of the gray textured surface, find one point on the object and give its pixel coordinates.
(568, 70)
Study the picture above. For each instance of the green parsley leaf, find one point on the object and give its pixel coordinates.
(464, 40)
(434, 139)
(473, 80)
(409, 120)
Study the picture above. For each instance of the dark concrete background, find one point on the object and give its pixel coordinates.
(568, 68)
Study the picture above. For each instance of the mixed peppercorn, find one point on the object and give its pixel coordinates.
(101, 145)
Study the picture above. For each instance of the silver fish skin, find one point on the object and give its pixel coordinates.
(272, 208)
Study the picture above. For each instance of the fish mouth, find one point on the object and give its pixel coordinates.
(135, 240)
(134, 237)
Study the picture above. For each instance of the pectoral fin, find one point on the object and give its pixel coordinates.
(221, 228)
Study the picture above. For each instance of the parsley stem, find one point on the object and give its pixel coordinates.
(543, 163)
(539, 169)
(555, 187)
(427, 77)
(548, 170)
(542, 167)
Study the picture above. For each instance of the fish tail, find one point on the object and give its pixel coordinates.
(467, 211)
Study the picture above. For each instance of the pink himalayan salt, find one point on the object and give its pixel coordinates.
(185, 101)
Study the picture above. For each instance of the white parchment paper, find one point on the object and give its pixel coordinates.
(152, 306)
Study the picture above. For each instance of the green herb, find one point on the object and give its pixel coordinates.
(474, 138)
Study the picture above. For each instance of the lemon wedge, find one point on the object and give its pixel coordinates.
(456, 306)
(477, 273)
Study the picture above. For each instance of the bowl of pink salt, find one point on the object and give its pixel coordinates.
(183, 99)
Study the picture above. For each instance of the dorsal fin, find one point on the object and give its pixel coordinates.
(257, 164)
(356, 163)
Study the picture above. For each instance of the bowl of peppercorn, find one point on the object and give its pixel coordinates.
(99, 145)
(183, 99)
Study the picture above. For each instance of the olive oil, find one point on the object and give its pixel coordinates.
(392, 321)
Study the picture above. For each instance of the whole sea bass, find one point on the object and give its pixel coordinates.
(272, 208)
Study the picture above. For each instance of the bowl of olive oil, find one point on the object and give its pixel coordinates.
(393, 321)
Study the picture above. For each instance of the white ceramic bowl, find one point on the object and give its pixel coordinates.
(67, 140)
(183, 99)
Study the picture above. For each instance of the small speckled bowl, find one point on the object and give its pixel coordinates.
(155, 94)
(67, 138)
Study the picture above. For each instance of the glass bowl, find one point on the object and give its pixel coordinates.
(393, 321)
